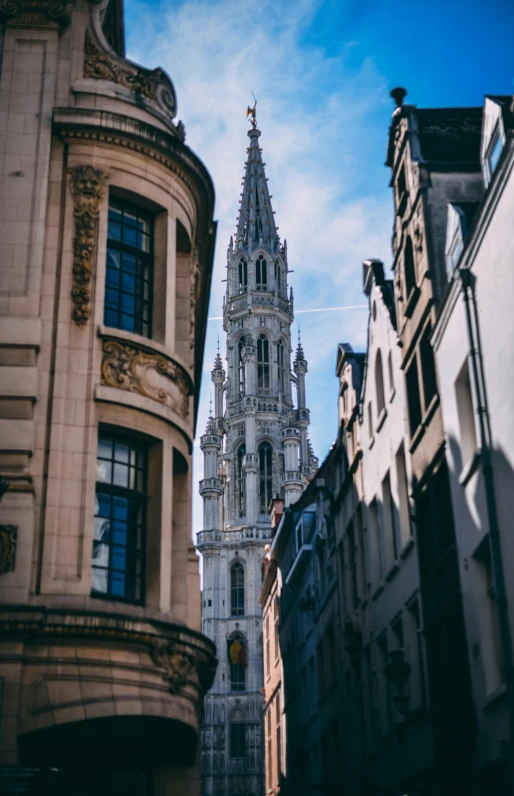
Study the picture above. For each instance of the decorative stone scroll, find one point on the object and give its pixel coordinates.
(152, 84)
(151, 375)
(35, 13)
(8, 538)
(178, 664)
(87, 188)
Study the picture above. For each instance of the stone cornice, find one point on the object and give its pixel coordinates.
(120, 130)
(184, 656)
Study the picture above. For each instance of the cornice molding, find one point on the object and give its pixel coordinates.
(185, 658)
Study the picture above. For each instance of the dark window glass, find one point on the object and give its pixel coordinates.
(379, 383)
(413, 396)
(261, 273)
(128, 280)
(237, 590)
(281, 358)
(263, 362)
(240, 366)
(427, 368)
(278, 277)
(237, 739)
(266, 476)
(409, 268)
(240, 480)
(120, 519)
(243, 275)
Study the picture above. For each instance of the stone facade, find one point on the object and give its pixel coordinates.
(470, 339)
(255, 446)
(391, 570)
(107, 245)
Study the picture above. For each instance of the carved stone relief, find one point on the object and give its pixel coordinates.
(8, 537)
(195, 278)
(151, 375)
(87, 189)
(35, 13)
(177, 663)
(154, 84)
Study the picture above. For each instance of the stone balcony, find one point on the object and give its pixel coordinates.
(244, 535)
(292, 476)
(210, 485)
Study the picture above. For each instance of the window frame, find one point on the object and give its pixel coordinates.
(263, 363)
(236, 589)
(265, 474)
(147, 260)
(133, 496)
(238, 683)
(242, 275)
(261, 273)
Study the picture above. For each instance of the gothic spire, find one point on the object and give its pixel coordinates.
(256, 223)
(218, 364)
(299, 350)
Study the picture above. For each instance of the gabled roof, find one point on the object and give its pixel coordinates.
(345, 353)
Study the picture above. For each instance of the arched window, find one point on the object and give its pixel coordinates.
(281, 367)
(237, 590)
(379, 382)
(262, 362)
(261, 273)
(240, 480)
(243, 275)
(278, 277)
(240, 366)
(409, 268)
(237, 735)
(265, 476)
(236, 648)
(370, 421)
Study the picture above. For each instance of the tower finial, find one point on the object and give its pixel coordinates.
(210, 406)
(299, 350)
(252, 112)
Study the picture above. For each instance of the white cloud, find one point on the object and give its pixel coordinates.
(313, 110)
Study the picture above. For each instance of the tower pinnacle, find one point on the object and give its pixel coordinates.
(256, 223)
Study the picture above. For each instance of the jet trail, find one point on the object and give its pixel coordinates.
(317, 309)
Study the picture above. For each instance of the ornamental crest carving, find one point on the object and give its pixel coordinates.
(8, 537)
(87, 189)
(154, 84)
(177, 663)
(35, 13)
(151, 375)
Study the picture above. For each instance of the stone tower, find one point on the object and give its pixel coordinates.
(255, 447)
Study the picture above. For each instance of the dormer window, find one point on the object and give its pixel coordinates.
(460, 218)
(494, 153)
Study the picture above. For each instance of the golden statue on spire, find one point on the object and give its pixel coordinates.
(252, 112)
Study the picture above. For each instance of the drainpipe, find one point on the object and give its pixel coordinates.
(475, 350)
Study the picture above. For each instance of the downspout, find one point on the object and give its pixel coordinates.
(475, 352)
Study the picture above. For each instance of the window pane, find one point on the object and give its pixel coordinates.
(114, 230)
(120, 474)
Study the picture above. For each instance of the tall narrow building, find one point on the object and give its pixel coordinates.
(255, 446)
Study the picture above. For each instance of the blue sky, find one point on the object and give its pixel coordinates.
(321, 72)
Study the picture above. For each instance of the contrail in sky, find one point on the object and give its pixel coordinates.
(317, 309)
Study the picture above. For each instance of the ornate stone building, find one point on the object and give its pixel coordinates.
(255, 446)
(106, 243)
